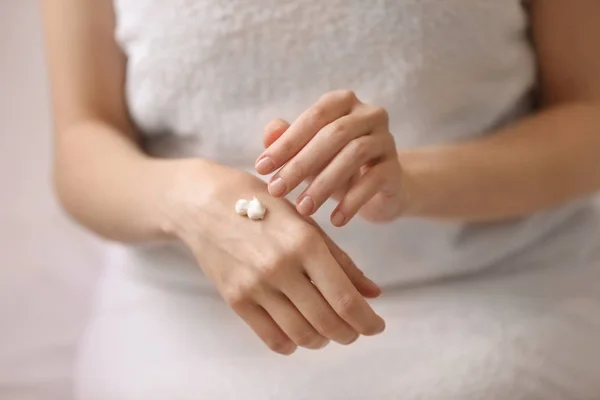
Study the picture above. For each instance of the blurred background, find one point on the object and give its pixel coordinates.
(48, 266)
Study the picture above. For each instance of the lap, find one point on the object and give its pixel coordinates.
(528, 332)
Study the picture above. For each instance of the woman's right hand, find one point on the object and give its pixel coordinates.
(290, 283)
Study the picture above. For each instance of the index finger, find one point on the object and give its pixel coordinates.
(327, 109)
(340, 293)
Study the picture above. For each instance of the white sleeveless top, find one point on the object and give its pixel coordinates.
(205, 76)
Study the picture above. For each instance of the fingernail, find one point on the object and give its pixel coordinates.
(382, 328)
(277, 187)
(350, 340)
(306, 205)
(289, 350)
(264, 165)
(338, 218)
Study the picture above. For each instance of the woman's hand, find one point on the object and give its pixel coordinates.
(282, 275)
(345, 149)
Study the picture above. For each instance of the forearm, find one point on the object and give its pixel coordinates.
(541, 162)
(109, 185)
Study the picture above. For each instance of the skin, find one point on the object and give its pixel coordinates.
(283, 276)
(345, 150)
(289, 281)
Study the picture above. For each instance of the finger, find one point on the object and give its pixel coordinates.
(265, 328)
(364, 285)
(345, 164)
(291, 321)
(309, 301)
(340, 192)
(367, 186)
(322, 148)
(339, 292)
(327, 109)
(273, 131)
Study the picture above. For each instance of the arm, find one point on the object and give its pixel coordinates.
(541, 162)
(345, 148)
(289, 282)
(101, 176)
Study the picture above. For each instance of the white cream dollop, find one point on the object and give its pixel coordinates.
(254, 209)
(241, 207)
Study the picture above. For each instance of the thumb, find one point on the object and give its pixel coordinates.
(273, 131)
(364, 285)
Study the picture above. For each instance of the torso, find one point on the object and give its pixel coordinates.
(215, 72)
(205, 76)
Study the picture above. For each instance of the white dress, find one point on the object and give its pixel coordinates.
(486, 311)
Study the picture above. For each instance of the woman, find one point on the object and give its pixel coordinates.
(403, 132)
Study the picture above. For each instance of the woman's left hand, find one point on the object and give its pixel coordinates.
(346, 151)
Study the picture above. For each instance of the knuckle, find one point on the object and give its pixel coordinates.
(303, 239)
(347, 96)
(238, 296)
(304, 243)
(337, 130)
(347, 305)
(272, 264)
(359, 149)
(317, 116)
(380, 114)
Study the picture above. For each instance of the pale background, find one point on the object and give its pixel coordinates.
(47, 265)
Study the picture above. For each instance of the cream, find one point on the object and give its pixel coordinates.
(241, 207)
(254, 209)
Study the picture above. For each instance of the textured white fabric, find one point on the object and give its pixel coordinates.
(204, 77)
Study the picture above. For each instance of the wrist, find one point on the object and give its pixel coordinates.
(416, 166)
(185, 190)
(199, 194)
